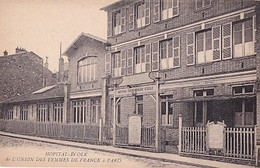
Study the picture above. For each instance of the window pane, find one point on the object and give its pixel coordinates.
(163, 110)
(237, 90)
(238, 105)
(140, 109)
(199, 111)
(169, 48)
(249, 105)
(170, 108)
(163, 49)
(249, 89)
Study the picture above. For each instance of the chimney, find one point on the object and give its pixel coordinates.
(20, 50)
(46, 64)
(5, 53)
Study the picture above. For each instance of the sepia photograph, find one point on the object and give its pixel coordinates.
(130, 83)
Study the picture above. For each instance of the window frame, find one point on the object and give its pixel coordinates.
(205, 50)
(203, 5)
(142, 60)
(58, 112)
(243, 89)
(43, 113)
(116, 57)
(169, 10)
(95, 115)
(24, 112)
(139, 102)
(168, 60)
(141, 19)
(167, 99)
(116, 26)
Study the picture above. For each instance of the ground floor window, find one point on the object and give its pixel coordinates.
(9, 114)
(24, 113)
(244, 112)
(139, 105)
(204, 112)
(95, 110)
(58, 112)
(80, 111)
(43, 114)
(167, 110)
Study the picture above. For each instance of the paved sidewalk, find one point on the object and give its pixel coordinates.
(136, 153)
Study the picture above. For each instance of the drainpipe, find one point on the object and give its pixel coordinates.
(158, 143)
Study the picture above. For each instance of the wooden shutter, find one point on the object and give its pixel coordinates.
(123, 62)
(108, 63)
(227, 41)
(130, 61)
(155, 56)
(254, 32)
(216, 42)
(190, 39)
(147, 57)
(156, 11)
(123, 20)
(147, 12)
(176, 51)
(175, 6)
(131, 17)
(109, 24)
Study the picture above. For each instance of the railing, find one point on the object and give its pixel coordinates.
(240, 142)
(121, 135)
(107, 134)
(148, 136)
(193, 139)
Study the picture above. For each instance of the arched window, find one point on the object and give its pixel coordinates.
(87, 69)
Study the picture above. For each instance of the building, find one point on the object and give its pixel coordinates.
(194, 59)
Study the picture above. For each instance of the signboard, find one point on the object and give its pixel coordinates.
(134, 90)
(216, 135)
(134, 133)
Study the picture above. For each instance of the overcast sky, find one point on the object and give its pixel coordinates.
(40, 25)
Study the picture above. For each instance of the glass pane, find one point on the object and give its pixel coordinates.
(170, 108)
(237, 90)
(140, 109)
(169, 48)
(238, 105)
(248, 34)
(249, 105)
(199, 111)
(249, 89)
(163, 49)
(163, 108)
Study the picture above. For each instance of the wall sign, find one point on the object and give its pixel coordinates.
(216, 135)
(134, 130)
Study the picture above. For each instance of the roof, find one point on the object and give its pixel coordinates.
(86, 35)
(117, 4)
(49, 92)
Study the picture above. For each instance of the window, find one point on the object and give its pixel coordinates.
(140, 21)
(167, 110)
(243, 89)
(204, 46)
(79, 111)
(243, 40)
(43, 113)
(202, 4)
(206, 92)
(140, 61)
(24, 112)
(139, 105)
(87, 69)
(170, 8)
(244, 111)
(119, 111)
(116, 23)
(10, 114)
(116, 64)
(166, 54)
(58, 112)
(95, 110)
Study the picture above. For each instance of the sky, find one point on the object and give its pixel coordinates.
(40, 25)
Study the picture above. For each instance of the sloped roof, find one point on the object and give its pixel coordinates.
(117, 4)
(83, 35)
(49, 92)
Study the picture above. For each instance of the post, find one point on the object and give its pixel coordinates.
(114, 116)
(180, 128)
(256, 148)
(158, 143)
(100, 131)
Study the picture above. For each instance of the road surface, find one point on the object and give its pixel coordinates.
(20, 152)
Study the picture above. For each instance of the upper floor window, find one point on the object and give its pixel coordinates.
(140, 15)
(166, 56)
(116, 64)
(202, 4)
(24, 110)
(204, 46)
(140, 61)
(170, 8)
(117, 23)
(87, 69)
(243, 40)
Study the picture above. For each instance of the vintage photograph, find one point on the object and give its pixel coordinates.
(130, 83)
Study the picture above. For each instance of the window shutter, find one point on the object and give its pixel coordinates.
(148, 57)
(227, 41)
(108, 63)
(254, 32)
(176, 51)
(216, 42)
(147, 12)
(123, 62)
(123, 20)
(156, 12)
(130, 61)
(190, 49)
(175, 6)
(109, 24)
(131, 17)
(155, 56)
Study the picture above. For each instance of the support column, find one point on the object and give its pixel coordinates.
(114, 116)
(158, 136)
(104, 100)
(66, 104)
(180, 128)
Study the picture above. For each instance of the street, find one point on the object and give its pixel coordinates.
(20, 152)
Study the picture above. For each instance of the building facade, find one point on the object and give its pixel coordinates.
(202, 53)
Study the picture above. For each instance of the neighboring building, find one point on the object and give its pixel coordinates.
(21, 73)
(204, 52)
(86, 68)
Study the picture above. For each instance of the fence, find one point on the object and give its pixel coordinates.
(68, 131)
